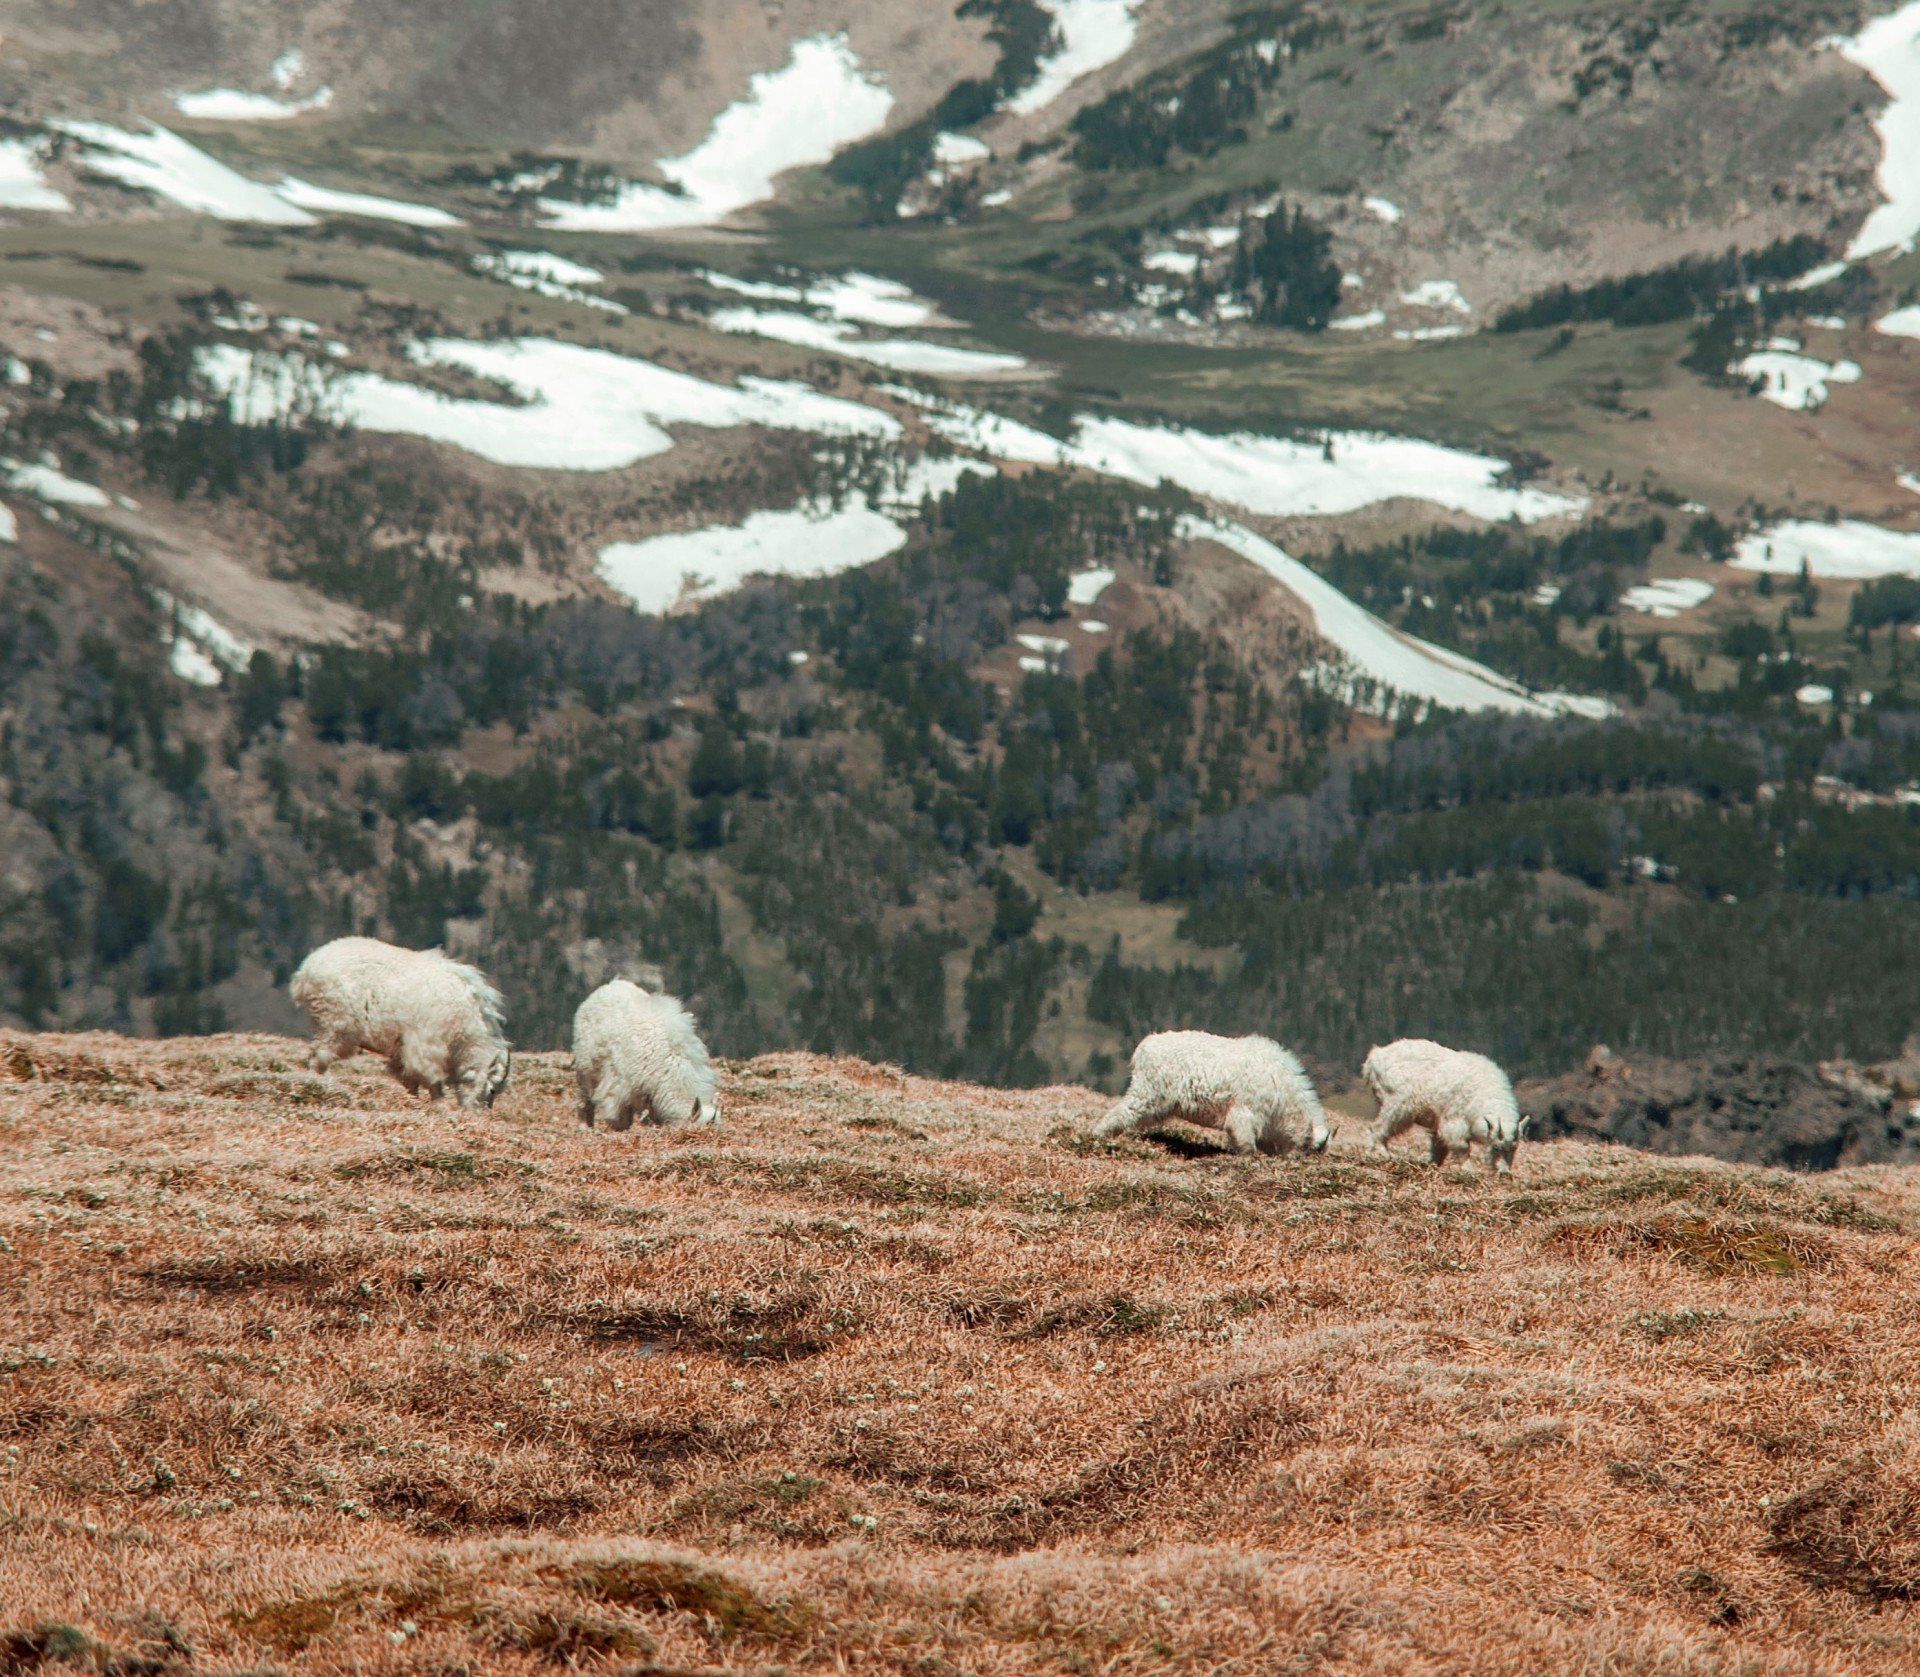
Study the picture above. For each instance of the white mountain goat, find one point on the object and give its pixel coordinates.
(1460, 1097)
(638, 1054)
(437, 1021)
(1248, 1086)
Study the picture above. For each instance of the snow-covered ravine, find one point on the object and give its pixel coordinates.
(584, 410)
(1378, 653)
(1093, 34)
(1849, 551)
(1888, 49)
(816, 538)
(800, 114)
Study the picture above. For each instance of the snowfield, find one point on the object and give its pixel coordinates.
(1791, 380)
(1888, 49)
(800, 114)
(816, 538)
(1093, 34)
(162, 163)
(1850, 551)
(22, 185)
(585, 410)
(839, 337)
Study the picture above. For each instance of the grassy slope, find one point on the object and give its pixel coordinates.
(901, 1376)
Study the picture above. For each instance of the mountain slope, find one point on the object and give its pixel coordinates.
(895, 1373)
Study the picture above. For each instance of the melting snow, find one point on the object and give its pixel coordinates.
(813, 539)
(1173, 261)
(1051, 645)
(325, 200)
(226, 104)
(1888, 49)
(1430, 334)
(1093, 626)
(1850, 551)
(800, 114)
(1359, 322)
(1814, 694)
(22, 186)
(839, 337)
(1093, 33)
(1383, 208)
(162, 163)
(1084, 587)
(1902, 323)
(585, 410)
(287, 69)
(1909, 481)
(1667, 596)
(202, 647)
(1796, 381)
(9, 525)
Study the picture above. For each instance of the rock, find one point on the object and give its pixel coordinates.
(1753, 1111)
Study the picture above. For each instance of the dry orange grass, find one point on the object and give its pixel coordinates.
(890, 1375)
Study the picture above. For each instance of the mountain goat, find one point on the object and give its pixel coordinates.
(1460, 1097)
(437, 1021)
(1248, 1086)
(638, 1054)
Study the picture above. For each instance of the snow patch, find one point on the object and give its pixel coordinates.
(1814, 694)
(162, 163)
(46, 482)
(1814, 278)
(864, 298)
(586, 410)
(1667, 596)
(1792, 380)
(1902, 323)
(1359, 322)
(1084, 587)
(548, 275)
(326, 200)
(22, 185)
(1888, 49)
(802, 113)
(1850, 551)
(227, 104)
(954, 151)
(1093, 33)
(1382, 209)
(816, 538)
(839, 337)
(1172, 261)
(1437, 294)
(1339, 472)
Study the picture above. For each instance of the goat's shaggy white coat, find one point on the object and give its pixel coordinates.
(1459, 1096)
(1248, 1086)
(638, 1054)
(438, 1022)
